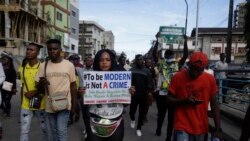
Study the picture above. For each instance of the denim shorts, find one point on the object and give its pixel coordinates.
(184, 136)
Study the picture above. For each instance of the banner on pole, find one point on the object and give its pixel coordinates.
(172, 35)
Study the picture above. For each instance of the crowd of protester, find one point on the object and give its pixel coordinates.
(180, 88)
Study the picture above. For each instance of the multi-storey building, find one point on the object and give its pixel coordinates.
(213, 41)
(21, 22)
(57, 14)
(74, 23)
(239, 15)
(90, 38)
(108, 40)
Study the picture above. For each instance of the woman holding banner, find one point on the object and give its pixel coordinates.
(106, 120)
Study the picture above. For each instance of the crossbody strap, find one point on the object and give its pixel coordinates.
(24, 76)
(45, 68)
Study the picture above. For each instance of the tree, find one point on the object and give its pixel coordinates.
(247, 31)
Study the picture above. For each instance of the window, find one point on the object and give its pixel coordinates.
(73, 13)
(216, 50)
(72, 47)
(73, 30)
(241, 50)
(193, 43)
(232, 49)
(58, 37)
(59, 16)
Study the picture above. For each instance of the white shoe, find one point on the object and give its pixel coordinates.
(132, 124)
(84, 134)
(138, 132)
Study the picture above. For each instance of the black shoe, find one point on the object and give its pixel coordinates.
(158, 132)
(70, 122)
(77, 118)
(225, 102)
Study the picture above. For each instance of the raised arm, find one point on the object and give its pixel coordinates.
(185, 53)
(155, 48)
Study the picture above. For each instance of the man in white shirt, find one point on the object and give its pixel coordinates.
(221, 64)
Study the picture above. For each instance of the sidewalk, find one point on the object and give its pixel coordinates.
(231, 122)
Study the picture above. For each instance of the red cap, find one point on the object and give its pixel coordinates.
(198, 59)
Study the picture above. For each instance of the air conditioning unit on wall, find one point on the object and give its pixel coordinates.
(10, 44)
(18, 43)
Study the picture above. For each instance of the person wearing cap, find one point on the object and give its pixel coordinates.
(75, 59)
(2, 78)
(27, 74)
(88, 61)
(190, 90)
(141, 79)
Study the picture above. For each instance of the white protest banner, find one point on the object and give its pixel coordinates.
(104, 87)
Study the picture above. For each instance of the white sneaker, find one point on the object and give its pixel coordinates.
(132, 124)
(138, 132)
(84, 134)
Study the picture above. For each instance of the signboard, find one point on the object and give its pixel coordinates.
(104, 87)
(172, 35)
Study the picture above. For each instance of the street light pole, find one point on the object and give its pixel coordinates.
(186, 18)
(196, 32)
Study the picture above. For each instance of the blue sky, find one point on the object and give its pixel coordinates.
(134, 23)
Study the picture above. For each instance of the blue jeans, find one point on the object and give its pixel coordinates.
(184, 136)
(26, 117)
(59, 125)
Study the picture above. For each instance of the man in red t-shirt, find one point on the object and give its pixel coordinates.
(191, 90)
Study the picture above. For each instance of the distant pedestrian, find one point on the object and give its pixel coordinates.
(122, 62)
(85, 108)
(10, 74)
(141, 79)
(75, 59)
(190, 91)
(222, 76)
(149, 64)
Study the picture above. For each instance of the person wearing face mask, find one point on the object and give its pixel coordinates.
(167, 67)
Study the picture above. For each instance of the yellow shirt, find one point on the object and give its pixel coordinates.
(29, 75)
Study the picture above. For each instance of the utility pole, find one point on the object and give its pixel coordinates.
(196, 32)
(229, 32)
(186, 18)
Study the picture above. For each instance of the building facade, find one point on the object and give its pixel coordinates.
(239, 16)
(74, 23)
(108, 40)
(213, 41)
(90, 38)
(21, 23)
(57, 15)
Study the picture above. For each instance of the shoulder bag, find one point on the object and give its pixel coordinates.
(34, 100)
(59, 101)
